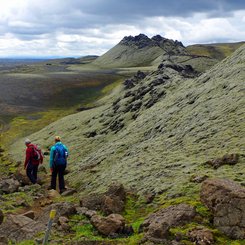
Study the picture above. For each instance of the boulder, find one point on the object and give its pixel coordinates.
(18, 228)
(128, 83)
(9, 185)
(112, 201)
(63, 222)
(22, 178)
(53, 194)
(92, 201)
(116, 189)
(201, 236)
(110, 225)
(30, 214)
(112, 204)
(226, 200)
(149, 197)
(230, 159)
(62, 209)
(85, 211)
(157, 225)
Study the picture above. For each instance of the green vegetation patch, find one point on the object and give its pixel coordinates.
(15, 201)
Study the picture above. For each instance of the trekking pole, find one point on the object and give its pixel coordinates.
(50, 222)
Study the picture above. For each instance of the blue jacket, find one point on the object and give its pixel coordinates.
(52, 151)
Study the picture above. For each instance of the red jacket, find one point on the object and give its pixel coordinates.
(29, 156)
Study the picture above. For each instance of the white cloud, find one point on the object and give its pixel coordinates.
(76, 28)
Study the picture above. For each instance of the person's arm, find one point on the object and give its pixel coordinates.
(51, 159)
(28, 157)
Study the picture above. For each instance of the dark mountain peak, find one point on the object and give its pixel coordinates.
(140, 41)
(162, 41)
(158, 38)
(138, 38)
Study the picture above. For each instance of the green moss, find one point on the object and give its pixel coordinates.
(83, 229)
(15, 201)
(191, 200)
(221, 239)
(27, 242)
(202, 210)
(136, 210)
(135, 213)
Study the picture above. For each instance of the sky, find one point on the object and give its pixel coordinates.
(75, 28)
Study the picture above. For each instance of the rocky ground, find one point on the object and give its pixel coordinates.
(105, 218)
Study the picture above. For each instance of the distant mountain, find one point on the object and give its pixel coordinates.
(140, 51)
(217, 51)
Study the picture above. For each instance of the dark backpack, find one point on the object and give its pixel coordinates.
(36, 153)
(60, 155)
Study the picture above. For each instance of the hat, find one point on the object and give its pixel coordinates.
(27, 141)
(57, 138)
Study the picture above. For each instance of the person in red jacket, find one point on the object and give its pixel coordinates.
(33, 159)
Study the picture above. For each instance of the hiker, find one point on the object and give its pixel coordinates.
(33, 158)
(58, 163)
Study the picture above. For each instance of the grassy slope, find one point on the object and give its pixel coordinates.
(128, 56)
(217, 51)
(139, 155)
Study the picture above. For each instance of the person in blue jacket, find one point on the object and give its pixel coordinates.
(58, 163)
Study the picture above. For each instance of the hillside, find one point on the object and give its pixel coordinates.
(155, 132)
(142, 51)
(217, 51)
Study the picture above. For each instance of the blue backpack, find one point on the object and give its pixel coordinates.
(60, 155)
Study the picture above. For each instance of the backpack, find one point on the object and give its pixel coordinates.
(36, 153)
(60, 155)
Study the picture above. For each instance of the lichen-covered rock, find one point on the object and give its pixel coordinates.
(85, 211)
(22, 178)
(157, 225)
(201, 236)
(226, 200)
(62, 209)
(110, 225)
(18, 228)
(230, 159)
(63, 222)
(112, 201)
(9, 186)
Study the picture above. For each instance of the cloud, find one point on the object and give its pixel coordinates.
(77, 27)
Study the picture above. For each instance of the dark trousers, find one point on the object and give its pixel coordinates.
(58, 170)
(31, 172)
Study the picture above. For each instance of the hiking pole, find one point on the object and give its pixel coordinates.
(50, 222)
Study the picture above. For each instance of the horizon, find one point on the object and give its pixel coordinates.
(81, 56)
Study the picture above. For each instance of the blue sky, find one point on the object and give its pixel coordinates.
(80, 27)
